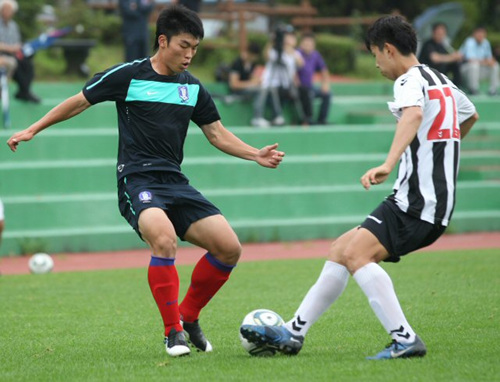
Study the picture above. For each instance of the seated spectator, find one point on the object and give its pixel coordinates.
(243, 79)
(279, 79)
(440, 55)
(10, 46)
(313, 62)
(479, 62)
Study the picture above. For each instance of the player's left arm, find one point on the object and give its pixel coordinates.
(406, 130)
(466, 125)
(230, 144)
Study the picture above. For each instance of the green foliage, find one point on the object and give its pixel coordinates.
(104, 326)
(97, 24)
(30, 246)
(214, 51)
(339, 52)
(26, 16)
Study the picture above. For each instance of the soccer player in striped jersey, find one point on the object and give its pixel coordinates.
(156, 97)
(432, 116)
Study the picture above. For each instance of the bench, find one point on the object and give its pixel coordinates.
(75, 53)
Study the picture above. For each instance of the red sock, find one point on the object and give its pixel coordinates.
(164, 283)
(208, 277)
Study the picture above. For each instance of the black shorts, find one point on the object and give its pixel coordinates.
(169, 191)
(399, 232)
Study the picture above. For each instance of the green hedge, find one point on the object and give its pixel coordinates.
(339, 52)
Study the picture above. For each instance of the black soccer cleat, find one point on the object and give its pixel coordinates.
(176, 344)
(196, 336)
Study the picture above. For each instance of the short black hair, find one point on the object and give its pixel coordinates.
(254, 48)
(439, 24)
(394, 30)
(175, 20)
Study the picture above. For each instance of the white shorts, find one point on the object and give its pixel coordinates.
(2, 216)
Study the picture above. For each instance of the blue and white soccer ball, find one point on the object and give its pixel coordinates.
(260, 317)
(40, 263)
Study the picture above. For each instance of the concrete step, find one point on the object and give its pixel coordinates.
(122, 237)
(88, 210)
(99, 175)
(92, 143)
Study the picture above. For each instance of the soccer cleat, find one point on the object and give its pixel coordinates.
(196, 336)
(176, 343)
(274, 337)
(399, 350)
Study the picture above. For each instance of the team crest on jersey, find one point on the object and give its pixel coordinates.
(145, 197)
(183, 93)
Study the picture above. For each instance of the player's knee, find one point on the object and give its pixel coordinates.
(164, 246)
(353, 260)
(228, 253)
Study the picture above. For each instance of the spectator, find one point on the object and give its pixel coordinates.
(438, 53)
(243, 78)
(10, 45)
(479, 62)
(135, 27)
(313, 62)
(279, 78)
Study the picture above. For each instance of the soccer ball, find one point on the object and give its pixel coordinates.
(40, 263)
(260, 317)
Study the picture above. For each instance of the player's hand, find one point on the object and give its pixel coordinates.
(375, 176)
(270, 157)
(22, 136)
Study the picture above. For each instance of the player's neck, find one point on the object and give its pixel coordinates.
(406, 63)
(160, 68)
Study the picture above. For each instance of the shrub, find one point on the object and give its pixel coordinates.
(339, 52)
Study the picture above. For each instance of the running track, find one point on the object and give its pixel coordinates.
(251, 252)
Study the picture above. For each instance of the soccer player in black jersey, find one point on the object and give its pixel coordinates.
(433, 115)
(156, 98)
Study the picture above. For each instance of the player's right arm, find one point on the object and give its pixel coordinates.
(65, 110)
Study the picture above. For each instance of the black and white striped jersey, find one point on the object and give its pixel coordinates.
(425, 187)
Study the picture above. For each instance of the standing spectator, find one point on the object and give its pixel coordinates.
(10, 46)
(439, 54)
(279, 78)
(135, 15)
(313, 62)
(479, 62)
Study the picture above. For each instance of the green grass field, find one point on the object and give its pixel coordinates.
(104, 325)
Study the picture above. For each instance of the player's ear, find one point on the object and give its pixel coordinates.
(389, 49)
(162, 41)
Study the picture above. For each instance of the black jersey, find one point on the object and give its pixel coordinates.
(153, 113)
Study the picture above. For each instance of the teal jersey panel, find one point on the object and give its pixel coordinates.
(164, 92)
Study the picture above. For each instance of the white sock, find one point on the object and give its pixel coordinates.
(329, 286)
(377, 286)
